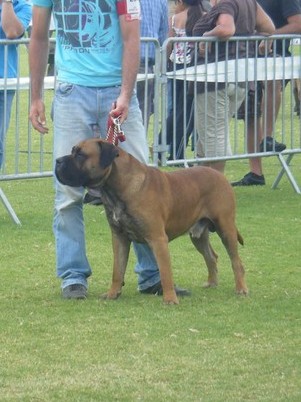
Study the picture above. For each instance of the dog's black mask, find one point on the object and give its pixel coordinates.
(69, 173)
(87, 164)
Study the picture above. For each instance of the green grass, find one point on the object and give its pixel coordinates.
(214, 346)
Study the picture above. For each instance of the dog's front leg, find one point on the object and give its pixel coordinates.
(121, 249)
(160, 249)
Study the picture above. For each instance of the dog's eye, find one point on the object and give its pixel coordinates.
(81, 156)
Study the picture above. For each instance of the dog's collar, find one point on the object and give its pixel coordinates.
(95, 191)
(97, 185)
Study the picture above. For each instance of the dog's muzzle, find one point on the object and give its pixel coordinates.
(68, 173)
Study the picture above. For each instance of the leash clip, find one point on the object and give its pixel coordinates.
(116, 122)
(117, 129)
(114, 133)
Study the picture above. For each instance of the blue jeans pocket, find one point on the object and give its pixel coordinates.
(64, 89)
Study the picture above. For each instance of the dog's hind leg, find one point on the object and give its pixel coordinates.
(229, 235)
(199, 235)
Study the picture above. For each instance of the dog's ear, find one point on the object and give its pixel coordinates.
(108, 152)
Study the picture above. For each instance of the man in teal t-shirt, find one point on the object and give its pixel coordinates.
(97, 59)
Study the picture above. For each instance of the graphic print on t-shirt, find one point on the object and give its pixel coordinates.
(84, 25)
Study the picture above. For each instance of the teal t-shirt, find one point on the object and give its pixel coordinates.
(88, 41)
(22, 10)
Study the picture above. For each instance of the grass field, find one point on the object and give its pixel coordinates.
(214, 346)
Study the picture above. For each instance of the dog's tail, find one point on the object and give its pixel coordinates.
(240, 238)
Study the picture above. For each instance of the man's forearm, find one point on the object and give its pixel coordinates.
(38, 55)
(130, 66)
(10, 23)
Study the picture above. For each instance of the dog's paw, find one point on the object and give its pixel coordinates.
(110, 295)
(170, 297)
(208, 284)
(242, 292)
(170, 302)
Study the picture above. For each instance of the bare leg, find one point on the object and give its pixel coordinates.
(254, 137)
(271, 108)
(219, 166)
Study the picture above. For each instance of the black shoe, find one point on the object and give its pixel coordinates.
(91, 199)
(158, 291)
(76, 291)
(269, 145)
(250, 179)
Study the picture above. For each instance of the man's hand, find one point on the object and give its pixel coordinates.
(265, 47)
(120, 108)
(37, 116)
(204, 47)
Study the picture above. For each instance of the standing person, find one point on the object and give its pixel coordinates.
(15, 16)
(217, 104)
(97, 59)
(179, 57)
(286, 15)
(154, 24)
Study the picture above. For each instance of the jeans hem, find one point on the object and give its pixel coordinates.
(147, 285)
(74, 282)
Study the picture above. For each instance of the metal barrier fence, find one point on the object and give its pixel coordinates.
(173, 131)
(27, 154)
(212, 85)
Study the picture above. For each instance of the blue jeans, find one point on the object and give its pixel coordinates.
(80, 113)
(4, 118)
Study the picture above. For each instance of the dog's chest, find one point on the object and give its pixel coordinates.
(120, 220)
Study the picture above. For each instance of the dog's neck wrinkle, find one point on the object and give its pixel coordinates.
(117, 180)
(113, 182)
(97, 186)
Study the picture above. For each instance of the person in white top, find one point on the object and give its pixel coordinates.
(179, 57)
(177, 24)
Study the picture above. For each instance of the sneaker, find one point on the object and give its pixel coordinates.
(250, 179)
(158, 290)
(76, 291)
(91, 199)
(269, 144)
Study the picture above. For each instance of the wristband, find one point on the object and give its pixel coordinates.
(7, 1)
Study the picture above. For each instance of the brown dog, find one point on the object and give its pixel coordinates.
(144, 204)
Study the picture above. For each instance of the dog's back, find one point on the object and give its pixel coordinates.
(188, 195)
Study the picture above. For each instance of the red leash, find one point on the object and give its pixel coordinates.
(114, 135)
(114, 132)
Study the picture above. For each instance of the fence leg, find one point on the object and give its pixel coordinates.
(9, 208)
(286, 169)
